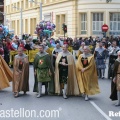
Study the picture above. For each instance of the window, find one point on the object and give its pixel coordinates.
(18, 27)
(8, 8)
(13, 25)
(97, 22)
(22, 4)
(33, 22)
(18, 5)
(83, 23)
(26, 25)
(58, 24)
(26, 4)
(114, 23)
(63, 20)
(60, 19)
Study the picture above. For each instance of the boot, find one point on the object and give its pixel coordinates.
(102, 73)
(118, 95)
(39, 89)
(86, 98)
(64, 91)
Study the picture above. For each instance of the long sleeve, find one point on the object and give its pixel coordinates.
(35, 63)
(49, 63)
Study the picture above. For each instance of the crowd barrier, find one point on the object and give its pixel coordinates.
(12, 55)
(31, 54)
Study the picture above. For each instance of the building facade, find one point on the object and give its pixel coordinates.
(83, 18)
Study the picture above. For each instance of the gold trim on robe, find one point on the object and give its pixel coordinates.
(73, 88)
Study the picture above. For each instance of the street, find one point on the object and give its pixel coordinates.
(73, 108)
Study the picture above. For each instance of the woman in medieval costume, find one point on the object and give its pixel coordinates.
(20, 73)
(87, 74)
(115, 84)
(65, 76)
(6, 74)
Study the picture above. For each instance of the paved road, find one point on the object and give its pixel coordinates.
(74, 108)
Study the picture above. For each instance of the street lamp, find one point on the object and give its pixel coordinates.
(108, 1)
(21, 23)
(40, 7)
(4, 14)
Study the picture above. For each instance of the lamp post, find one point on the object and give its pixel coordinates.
(40, 3)
(21, 22)
(4, 14)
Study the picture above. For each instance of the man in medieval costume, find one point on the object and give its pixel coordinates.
(6, 74)
(65, 76)
(43, 70)
(20, 73)
(87, 74)
(115, 84)
(100, 55)
(55, 53)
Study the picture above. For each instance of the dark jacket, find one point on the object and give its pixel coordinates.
(76, 45)
(113, 95)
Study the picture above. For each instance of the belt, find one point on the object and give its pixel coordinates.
(118, 73)
(43, 68)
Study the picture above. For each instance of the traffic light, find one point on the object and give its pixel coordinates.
(64, 27)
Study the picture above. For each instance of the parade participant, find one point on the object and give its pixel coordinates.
(87, 74)
(100, 55)
(114, 49)
(20, 73)
(115, 84)
(81, 48)
(113, 56)
(65, 76)
(5, 74)
(43, 71)
(55, 52)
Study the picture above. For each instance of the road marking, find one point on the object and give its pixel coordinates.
(101, 112)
